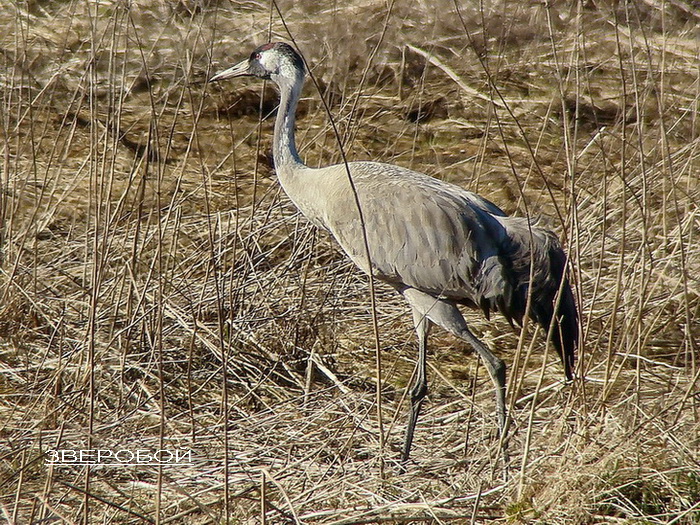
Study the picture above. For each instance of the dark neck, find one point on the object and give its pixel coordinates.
(284, 146)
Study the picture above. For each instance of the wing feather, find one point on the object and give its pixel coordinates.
(422, 233)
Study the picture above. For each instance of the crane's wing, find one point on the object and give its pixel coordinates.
(422, 232)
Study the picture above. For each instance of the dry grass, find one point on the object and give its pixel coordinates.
(159, 292)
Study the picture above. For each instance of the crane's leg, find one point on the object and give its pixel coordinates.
(420, 384)
(448, 316)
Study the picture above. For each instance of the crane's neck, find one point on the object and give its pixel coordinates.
(284, 146)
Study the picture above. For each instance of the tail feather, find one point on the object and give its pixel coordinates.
(530, 260)
(565, 332)
(549, 271)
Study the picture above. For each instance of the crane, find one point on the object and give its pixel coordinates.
(437, 244)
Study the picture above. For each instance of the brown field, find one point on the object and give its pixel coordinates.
(158, 291)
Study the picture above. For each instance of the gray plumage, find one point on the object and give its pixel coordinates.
(436, 243)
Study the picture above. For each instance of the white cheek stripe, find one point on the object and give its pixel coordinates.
(266, 61)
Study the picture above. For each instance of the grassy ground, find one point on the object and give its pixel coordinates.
(157, 291)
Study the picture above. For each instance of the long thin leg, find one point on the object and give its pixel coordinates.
(495, 366)
(448, 316)
(420, 385)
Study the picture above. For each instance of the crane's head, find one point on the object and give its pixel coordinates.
(275, 61)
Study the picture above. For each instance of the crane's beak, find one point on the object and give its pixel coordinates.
(239, 70)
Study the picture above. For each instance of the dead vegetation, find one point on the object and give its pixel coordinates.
(159, 292)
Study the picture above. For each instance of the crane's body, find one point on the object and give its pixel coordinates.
(436, 243)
